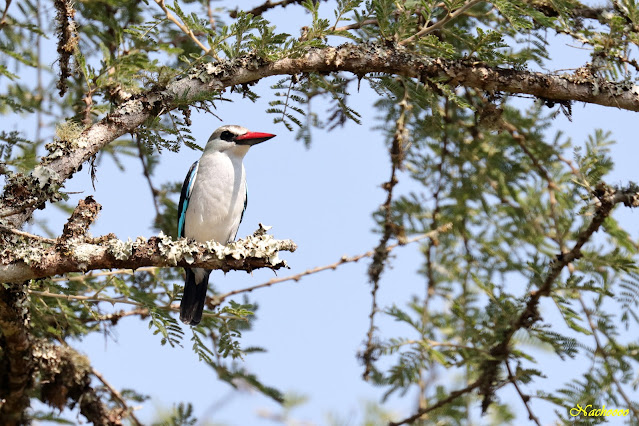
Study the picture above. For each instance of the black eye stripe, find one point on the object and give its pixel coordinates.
(227, 136)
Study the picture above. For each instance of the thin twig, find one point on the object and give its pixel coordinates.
(116, 316)
(453, 396)
(114, 300)
(216, 300)
(430, 277)
(544, 174)
(435, 344)
(181, 26)
(268, 4)
(93, 274)
(39, 87)
(521, 140)
(356, 25)
(525, 398)
(114, 392)
(209, 12)
(574, 170)
(439, 24)
(28, 235)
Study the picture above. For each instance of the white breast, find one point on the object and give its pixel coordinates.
(217, 199)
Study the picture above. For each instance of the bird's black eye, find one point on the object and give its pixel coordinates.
(227, 136)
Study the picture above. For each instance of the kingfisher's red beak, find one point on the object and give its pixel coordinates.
(253, 138)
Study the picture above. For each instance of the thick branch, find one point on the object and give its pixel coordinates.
(257, 251)
(23, 195)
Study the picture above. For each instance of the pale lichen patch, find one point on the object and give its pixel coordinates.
(28, 253)
(82, 253)
(45, 175)
(68, 131)
(174, 251)
(133, 106)
(121, 250)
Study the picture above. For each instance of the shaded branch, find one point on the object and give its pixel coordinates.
(16, 361)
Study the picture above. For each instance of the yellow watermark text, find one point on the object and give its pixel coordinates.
(592, 411)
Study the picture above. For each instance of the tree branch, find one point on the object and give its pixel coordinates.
(23, 194)
(3, 19)
(390, 228)
(450, 398)
(440, 24)
(602, 351)
(186, 30)
(65, 377)
(607, 198)
(260, 250)
(268, 4)
(114, 317)
(524, 398)
(118, 397)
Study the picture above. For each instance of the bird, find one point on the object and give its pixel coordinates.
(212, 204)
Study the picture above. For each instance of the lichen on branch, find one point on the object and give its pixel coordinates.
(208, 79)
(22, 260)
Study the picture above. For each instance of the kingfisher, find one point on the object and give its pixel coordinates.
(212, 204)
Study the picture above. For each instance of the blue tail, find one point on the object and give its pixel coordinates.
(192, 304)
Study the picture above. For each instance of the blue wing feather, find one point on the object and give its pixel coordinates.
(185, 196)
